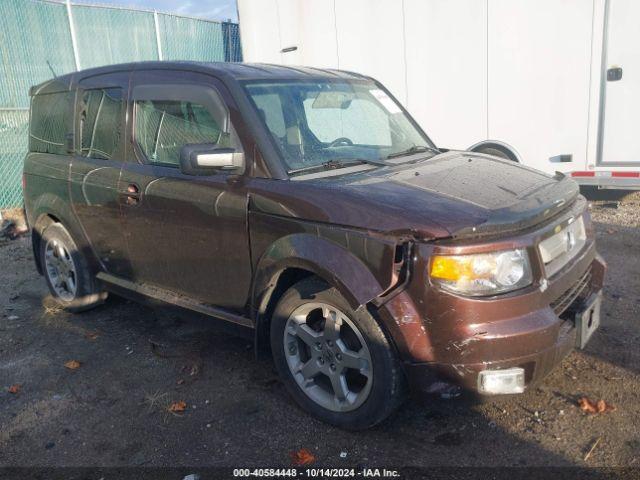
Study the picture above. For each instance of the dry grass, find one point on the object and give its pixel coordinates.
(156, 401)
(15, 215)
(161, 403)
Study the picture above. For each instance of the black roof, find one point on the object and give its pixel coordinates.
(226, 70)
(243, 71)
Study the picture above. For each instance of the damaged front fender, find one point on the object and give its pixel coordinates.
(346, 266)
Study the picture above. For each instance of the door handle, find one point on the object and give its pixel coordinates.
(614, 74)
(132, 194)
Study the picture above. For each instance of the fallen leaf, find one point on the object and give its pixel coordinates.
(15, 388)
(587, 405)
(72, 364)
(180, 381)
(604, 406)
(302, 457)
(177, 407)
(91, 335)
(611, 231)
(590, 406)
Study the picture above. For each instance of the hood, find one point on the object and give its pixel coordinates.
(454, 194)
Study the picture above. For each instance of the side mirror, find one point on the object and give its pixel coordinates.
(208, 159)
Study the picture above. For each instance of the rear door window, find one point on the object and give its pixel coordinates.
(49, 123)
(163, 127)
(101, 122)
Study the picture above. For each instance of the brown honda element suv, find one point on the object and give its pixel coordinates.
(308, 209)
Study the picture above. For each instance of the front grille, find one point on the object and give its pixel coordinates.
(558, 249)
(577, 291)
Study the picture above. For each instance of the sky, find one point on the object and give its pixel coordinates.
(210, 9)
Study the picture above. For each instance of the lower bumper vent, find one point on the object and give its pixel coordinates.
(577, 291)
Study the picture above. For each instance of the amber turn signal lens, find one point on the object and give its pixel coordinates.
(451, 268)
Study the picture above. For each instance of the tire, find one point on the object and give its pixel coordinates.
(86, 292)
(360, 359)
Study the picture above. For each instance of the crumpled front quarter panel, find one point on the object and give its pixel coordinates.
(359, 263)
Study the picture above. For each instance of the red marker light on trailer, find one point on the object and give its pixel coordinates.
(602, 173)
(626, 174)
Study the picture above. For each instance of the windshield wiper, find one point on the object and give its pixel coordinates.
(337, 163)
(414, 149)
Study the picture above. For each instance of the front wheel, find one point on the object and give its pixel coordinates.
(336, 363)
(67, 272)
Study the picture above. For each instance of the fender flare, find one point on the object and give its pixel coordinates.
(333, 263)
(301, 255)
(49, 206)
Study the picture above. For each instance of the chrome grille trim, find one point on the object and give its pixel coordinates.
(559, 248)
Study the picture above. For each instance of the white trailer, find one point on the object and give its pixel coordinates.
(554, 84)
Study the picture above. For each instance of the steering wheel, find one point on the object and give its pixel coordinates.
(341, 141)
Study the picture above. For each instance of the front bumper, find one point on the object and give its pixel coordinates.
(432, 377)
(446, 340)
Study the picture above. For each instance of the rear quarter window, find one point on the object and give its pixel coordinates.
(101, 122)
(49, 122)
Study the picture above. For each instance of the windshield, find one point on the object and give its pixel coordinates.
(330, 124)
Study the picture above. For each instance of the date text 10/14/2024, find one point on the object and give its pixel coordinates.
(316, 472)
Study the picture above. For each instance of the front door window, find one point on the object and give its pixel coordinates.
(163, 127)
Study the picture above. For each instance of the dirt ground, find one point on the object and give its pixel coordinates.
(136, 361)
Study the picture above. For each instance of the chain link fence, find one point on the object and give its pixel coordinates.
(43, 38)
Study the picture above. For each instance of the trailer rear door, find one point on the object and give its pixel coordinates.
(620, 142)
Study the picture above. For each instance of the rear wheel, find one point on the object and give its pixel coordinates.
(67, 272)
(337, 364)
(497, 150)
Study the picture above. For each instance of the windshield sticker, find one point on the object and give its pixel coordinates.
(385, 100)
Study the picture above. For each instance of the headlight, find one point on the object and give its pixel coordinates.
(481, 274)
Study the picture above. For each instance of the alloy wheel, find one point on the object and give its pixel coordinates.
(61, 270)
(328, 357)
